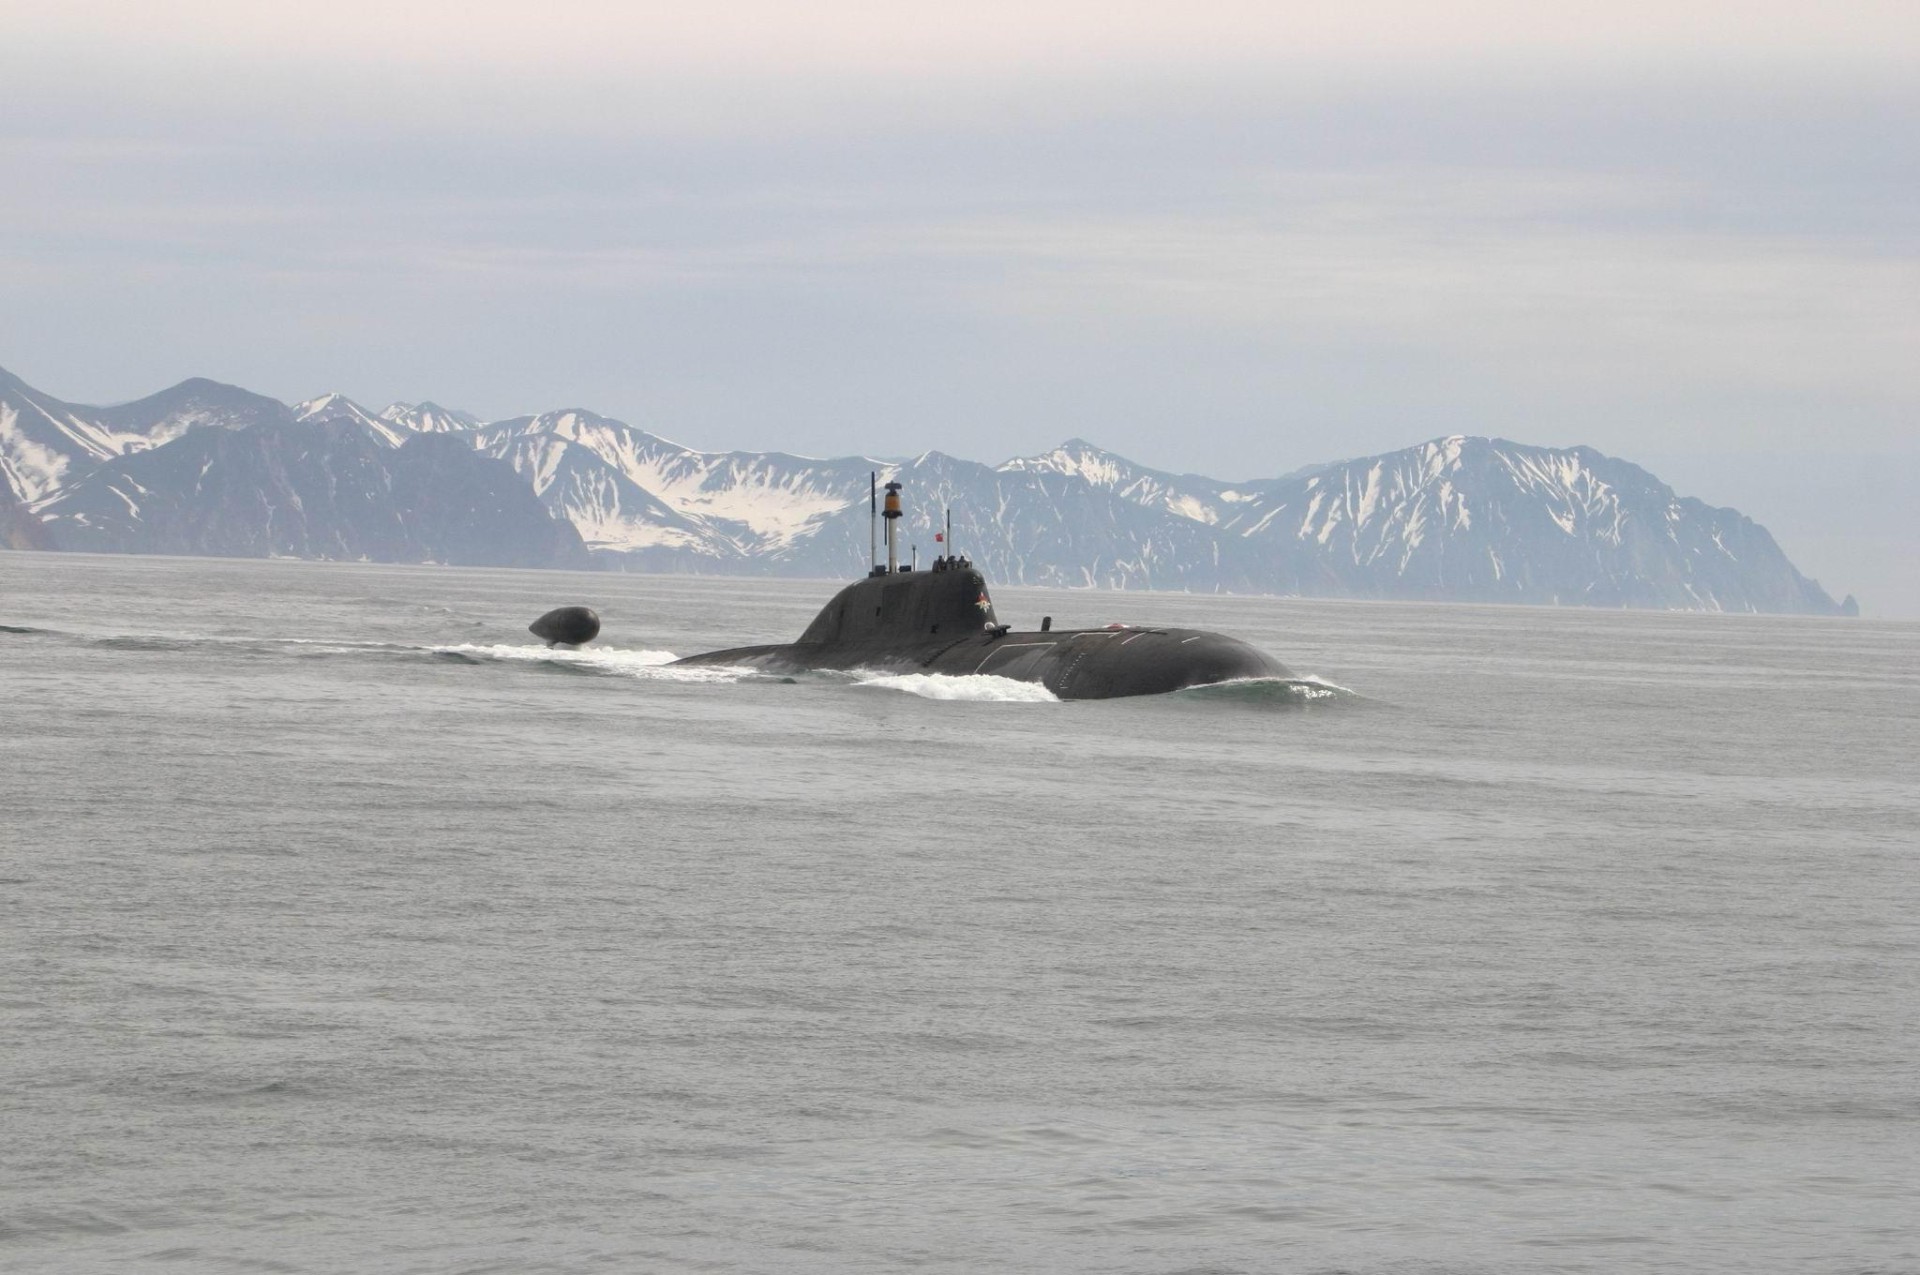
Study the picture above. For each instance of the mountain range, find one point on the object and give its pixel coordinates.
(207, 468)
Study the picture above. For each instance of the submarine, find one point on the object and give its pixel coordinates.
(941, 620)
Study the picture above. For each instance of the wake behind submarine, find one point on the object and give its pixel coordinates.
(941, 620)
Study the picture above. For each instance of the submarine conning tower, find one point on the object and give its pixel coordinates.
(899, 604)
(906, 606)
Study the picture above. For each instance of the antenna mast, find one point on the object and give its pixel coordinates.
(873, 523)
(892, 514)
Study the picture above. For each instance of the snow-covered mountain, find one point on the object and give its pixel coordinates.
(338, 407)
(631, 492)
(613, 514)
(1459, 518)
(311, 489)
(45, 442)
(1030, 527)
(1188, 495)
(1192, 496)
(393, 425)
(641, 501)
(1481, 519)
(429, 418)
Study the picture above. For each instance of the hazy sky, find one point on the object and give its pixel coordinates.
(1221, 237)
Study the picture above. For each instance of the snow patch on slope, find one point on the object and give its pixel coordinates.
(338, 407)
(31, 469)
(428, 418)
(1185, 497)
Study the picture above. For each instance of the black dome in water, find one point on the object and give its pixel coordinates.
(567, 626)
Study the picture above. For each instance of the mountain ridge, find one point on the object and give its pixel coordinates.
(45, 441)
(311, 489)
(1460, 518)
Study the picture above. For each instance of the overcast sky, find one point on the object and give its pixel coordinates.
(1217, 237)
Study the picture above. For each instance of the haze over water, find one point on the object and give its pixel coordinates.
(344, 929)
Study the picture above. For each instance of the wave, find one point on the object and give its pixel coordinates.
(646, 665)
(658, 665)
(979, 688)
(1273, 692)
(650, 664)
(1276, 692)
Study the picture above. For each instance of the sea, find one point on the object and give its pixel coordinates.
(346, 928)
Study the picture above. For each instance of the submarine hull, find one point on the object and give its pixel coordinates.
(942, 621)
(1106, 663)
(1099, 663)
(1073, 664)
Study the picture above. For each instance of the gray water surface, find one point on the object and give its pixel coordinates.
(342, 928)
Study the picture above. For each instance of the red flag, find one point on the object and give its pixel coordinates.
(939, 536)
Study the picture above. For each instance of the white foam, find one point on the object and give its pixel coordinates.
(982, 688)
(1266, 689)
(1331, 687)
(651, 665)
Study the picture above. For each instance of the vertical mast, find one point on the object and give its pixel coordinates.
(892, 514)
(950, 553)
(873, 522)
